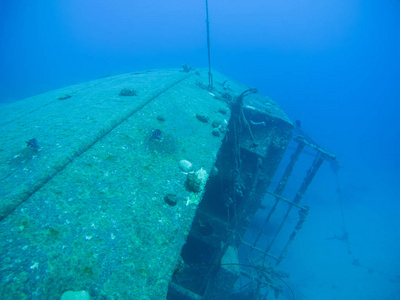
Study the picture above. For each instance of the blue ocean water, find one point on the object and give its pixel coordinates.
(334, 65)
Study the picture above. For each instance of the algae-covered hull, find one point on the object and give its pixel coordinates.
(101, 181)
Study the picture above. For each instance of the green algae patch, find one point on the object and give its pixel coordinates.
(88, 211)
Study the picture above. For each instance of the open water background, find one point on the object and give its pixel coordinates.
(334, 65)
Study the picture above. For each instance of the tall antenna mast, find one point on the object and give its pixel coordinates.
(210, 79)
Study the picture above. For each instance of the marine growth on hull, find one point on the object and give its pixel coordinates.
(145, 186)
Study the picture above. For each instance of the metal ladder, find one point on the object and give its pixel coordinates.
(265, 251)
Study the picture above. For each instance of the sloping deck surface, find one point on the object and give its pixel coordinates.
(88, 210)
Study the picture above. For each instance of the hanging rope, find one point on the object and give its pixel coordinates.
(345, 234)
(210, 78)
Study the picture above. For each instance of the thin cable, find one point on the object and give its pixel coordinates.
(345, 234)
(210, 78)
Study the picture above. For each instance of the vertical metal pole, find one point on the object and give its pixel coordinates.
(210, 79)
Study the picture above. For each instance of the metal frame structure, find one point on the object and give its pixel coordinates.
(212, 267)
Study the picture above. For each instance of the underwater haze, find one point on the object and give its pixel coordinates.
(332, 64)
